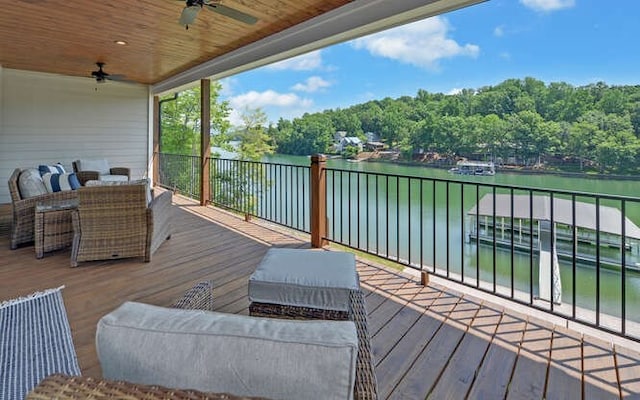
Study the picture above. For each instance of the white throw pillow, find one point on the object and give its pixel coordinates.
(54, 169)
(30, 183)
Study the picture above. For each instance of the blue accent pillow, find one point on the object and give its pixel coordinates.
(53, 169)
(60, 182)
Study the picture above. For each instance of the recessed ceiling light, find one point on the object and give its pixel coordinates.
(120, 42)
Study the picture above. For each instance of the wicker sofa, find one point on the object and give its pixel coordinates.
(119, 221)
(23, 210)
(84, 174)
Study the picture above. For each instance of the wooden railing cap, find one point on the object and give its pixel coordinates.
(318, 158)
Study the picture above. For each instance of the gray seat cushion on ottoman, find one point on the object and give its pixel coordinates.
(305, 278)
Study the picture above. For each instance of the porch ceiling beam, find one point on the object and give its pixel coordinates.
(351, 21)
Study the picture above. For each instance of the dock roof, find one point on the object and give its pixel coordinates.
(585, 213)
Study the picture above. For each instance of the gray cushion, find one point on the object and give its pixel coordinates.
(238, 354)
(99, 165)
(30, 183)
(144, 181)
(113, 178)
(305, 278)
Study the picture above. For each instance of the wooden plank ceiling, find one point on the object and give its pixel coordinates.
(69, 36)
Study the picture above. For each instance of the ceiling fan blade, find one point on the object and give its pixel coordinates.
(189, 15)
(232, 13)
(118, 77)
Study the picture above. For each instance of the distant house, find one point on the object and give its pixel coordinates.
(372, 137)
(375, 146)
(338, 136)
(349, 141)
(374, 142)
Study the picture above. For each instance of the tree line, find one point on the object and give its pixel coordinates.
(523, 121)
(519, 121)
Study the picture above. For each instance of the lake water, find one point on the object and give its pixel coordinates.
(406, 220)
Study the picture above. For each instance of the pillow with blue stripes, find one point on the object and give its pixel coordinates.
(53, 169)
(60, 182)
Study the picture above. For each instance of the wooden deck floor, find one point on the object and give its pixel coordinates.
(428, 341)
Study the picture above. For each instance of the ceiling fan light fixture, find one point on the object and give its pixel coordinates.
(189, 14)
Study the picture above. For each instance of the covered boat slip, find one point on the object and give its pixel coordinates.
(433, 340)
(517, 219)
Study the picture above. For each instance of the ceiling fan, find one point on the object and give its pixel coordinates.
(192, 8)
(102, 76)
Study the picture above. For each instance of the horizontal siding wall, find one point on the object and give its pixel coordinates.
(47, 118)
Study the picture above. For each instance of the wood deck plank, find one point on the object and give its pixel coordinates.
(384, 313)
(457, 378)
(387, 337)
(428, 366)
(565, 368)
(600, 380)
(530, 373)
(399, 360)
(628, 366)
(496, 369)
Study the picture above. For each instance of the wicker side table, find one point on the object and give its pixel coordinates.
(53, 228)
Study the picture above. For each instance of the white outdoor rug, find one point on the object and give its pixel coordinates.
(35, 341)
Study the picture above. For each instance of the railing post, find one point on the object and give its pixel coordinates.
(205, 140)
(155, 152)
(318, 201)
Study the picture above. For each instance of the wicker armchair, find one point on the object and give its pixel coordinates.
(65, 387)
(117, 222)
(84, 176)
(22, 227)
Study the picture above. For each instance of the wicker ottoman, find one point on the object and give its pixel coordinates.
(305, 264)
(314, 283)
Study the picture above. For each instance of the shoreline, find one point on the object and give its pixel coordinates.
(515, 170)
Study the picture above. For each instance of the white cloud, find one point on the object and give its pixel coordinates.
(267, 98)
(505, 55)
(312, 84)
(286, 103)
(455, 91)
(421, 43)
(498, 31)
(228, 85)
(548, 5)
(304, 62)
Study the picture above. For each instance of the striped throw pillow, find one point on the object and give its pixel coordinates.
(60, 182)
(53, 169)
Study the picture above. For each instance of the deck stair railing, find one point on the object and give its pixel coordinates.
(486, 236)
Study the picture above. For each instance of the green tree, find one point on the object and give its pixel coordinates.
(255, 143)
(347, 121)
(493, 134)
(239, 184)
(313, 133)
(181, 120)
(180, 123)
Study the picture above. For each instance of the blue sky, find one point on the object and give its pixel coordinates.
(575, 41)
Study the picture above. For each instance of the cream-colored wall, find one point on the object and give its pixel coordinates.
(46, 118)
